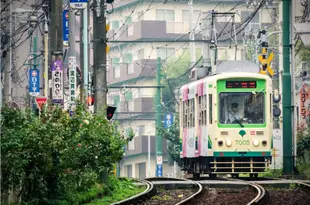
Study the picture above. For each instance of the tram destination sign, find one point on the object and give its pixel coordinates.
(240, 84)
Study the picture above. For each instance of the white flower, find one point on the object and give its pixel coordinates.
(96, 157)
(86, 122)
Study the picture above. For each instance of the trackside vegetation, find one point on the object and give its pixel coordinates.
(58, 159)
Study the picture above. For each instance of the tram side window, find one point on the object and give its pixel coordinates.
(185, 114)
(200, 104)
(191, 121)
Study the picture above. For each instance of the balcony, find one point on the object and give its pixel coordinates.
(140, 146)
(126, 72)
(147, 29)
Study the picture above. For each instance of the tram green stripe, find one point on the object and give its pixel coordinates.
(240, 154)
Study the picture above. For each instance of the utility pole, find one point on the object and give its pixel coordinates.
(100, 61)
(100, 55)
(294, 113)
(46, 52)
(8, 63)
(159, 140)
(207, 36)
(56, 43)
(85, 49)
(286, 85)
(192, 32)
(72, 56)
(82, 89)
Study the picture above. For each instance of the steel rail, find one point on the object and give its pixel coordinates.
(184, 201)
(136, 199)
(261, 192)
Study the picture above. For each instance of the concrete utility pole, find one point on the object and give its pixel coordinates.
(8, 63)
(72, 57)
(294, 112)
(192, 33)
(56, 35)
(100, 55)
(286, 85)
(207, 36)
(159, 139)
(85, 48)
(82, 50)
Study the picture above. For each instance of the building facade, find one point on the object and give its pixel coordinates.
(134, 63)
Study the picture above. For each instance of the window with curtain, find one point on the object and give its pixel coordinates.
(115, 25)
(128, 61)
(164, 15)
(116, 68)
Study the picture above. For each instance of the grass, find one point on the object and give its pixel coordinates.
(122, 190)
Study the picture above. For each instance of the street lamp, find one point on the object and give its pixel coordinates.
(149, 149)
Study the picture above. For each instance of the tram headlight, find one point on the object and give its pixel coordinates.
(255, 143)
(264, 142)
(228, 142)
(220, 143)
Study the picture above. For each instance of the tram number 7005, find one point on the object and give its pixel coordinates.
(242, 142)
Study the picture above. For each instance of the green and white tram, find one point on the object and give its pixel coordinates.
(226, 124)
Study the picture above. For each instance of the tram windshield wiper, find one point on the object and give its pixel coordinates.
(239, 122)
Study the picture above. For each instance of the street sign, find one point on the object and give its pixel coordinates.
(65, 27)
(159, 170)
(40, 102)
(57, 82)
(168, 120)
(72, 78)
(159, 160)
(34, 82)
(78, 4)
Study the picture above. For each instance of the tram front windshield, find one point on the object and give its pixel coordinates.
(245, 108)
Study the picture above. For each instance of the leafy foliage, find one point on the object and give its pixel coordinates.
(303, 149)
(172, 135)
(176, 71)
(54, 155)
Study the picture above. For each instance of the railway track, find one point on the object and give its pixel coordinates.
(185, 191)
(141, 197)
(197, 186)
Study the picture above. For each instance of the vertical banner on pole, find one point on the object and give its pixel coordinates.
(57, 82)
(65, 27)
(34, 82)
(72, 79)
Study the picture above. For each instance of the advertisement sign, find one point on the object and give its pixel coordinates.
(34, 82)
(304, 96)
(72, 78)
(65, 27)
(57, 82)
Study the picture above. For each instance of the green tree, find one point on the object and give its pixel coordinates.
(56, 155)
(176, 71)
(172, 135)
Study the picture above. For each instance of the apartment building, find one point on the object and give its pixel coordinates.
(132, 63)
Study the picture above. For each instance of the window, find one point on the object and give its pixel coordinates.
(128, 20)
(164, 15)
(195, 18)
(242, 108)
(254, 23)
(116, 68)
(202, 101)
(141, 54)
(115, 25)
(128, 95)
(164, 53)
(128, 61)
